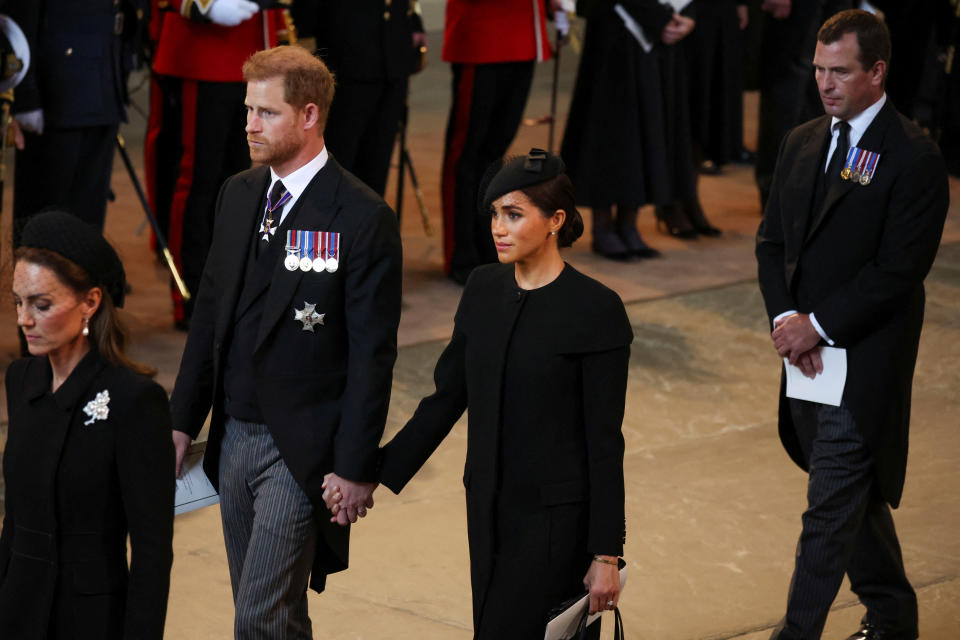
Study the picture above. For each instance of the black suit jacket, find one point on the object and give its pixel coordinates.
(361, 40)
(573, 454)
(858, 262)
(79, 58)
(324, 394)
(75, 488)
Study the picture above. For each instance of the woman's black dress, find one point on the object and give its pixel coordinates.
(627, 139)
(77, 484)
(545, 373)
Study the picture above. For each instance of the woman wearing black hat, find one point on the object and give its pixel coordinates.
(88, 459)
(539, 356)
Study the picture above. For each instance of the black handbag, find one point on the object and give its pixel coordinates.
(617, 626)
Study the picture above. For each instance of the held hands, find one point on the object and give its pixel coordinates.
(677, 29)
(230, 13)
(796, 340)
(603, 583)
(346, 499)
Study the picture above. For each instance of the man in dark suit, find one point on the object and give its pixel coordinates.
(70, 104)
(370, 45)
(843, 249)
(292, 345)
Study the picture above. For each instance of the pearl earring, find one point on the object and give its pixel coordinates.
(86, 327)
(553, 233)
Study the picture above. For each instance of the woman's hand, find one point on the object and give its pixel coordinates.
(603, 583)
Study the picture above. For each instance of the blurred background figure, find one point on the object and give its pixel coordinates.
(715, 60)
(492, 47)
(70, 104)
(88, 460)
(788, 93)
(372, 47)
(627, 141)
(195, 134)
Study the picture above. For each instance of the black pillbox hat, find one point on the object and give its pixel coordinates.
(523, 171)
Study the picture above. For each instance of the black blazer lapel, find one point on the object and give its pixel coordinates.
(316, 209)
(232, 261)
(871, 140)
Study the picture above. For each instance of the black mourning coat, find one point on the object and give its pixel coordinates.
(627, 139)
(324, 394)
(75, 489)
(564, 469)
(858, 263)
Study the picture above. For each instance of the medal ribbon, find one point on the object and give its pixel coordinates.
(872, 163)
(335, 242)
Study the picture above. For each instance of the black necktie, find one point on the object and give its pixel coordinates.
(839, 157)
(271, 217)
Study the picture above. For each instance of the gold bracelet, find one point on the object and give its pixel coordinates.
(604, 560)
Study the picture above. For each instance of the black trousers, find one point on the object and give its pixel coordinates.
(65, 168)
(488, 104)
(362, 127)
(195, 141)
(847, 528)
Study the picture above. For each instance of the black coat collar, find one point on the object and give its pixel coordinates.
(74, 388)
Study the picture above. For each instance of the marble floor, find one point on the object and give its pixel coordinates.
(713, 502)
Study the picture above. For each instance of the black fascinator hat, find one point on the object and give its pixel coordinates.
(78, 242)
(520, 172)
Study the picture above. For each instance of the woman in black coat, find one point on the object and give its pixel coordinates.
(539, 356)
(88, 459)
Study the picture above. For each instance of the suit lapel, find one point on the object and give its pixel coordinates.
(808, 163)
(872, 140)
(232, 261)
(316, 209)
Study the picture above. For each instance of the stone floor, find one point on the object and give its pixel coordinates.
(713, 503)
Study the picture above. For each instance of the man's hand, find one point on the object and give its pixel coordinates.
(810, 363)
(677, 29)
(15, 133)
(779, 9)
(346, 499)
(795, 336)
(181, 442)
(230, 13)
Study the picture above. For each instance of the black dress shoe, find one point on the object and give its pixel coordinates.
(672, 219)
(870, 631)
(636, 245)
(698, 219)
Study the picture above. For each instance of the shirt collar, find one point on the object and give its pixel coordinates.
(297, 181)
(860, 122)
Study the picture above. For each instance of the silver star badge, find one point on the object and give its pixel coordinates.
(308, 316)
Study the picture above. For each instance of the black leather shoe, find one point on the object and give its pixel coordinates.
(870, 631)
(609, 245)
(672, 220)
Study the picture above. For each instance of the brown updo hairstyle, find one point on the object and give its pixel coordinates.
(553, 195)
(108, 335)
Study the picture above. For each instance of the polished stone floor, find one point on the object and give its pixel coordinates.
(713, 502)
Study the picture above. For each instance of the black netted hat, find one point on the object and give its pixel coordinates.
(78, 242)
(520, 172)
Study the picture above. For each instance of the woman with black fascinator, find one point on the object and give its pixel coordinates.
(88, 460)
(539, 359)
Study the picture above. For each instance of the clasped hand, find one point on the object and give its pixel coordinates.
(347, 500)
(796, 340)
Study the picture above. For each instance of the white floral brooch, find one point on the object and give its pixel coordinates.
(98, 408)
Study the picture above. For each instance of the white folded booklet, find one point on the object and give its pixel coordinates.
(193, 487)
(827, 387)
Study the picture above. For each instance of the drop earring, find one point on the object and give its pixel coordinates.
(86, 327)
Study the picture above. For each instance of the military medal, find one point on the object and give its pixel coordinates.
(871, 166)
(308, 316)
(858, 169)
(306, 262)
(321, 244)
(333, 251)
(848, 161)
(267, 228)
(292, 261)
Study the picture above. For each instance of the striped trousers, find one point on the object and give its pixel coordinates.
(270, 536)
(847, 528)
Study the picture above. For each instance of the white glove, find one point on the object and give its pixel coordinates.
(31, 121)
(230, 13)
(563, 24)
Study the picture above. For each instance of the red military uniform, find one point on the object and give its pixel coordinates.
(492, 47)
(195, 135)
